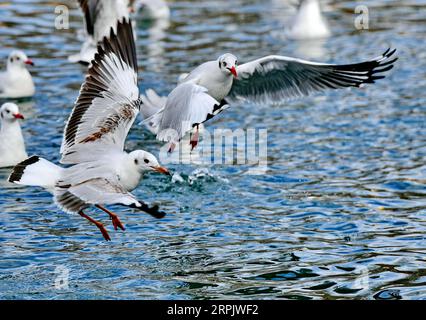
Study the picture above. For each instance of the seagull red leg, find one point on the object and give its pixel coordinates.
(114, 217)
(98, 224)
(194, 139)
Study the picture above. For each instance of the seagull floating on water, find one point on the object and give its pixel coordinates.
(309, 22)
(206, 91)
(99, 17)
(12, 144)
(16, 82)
(100, 172)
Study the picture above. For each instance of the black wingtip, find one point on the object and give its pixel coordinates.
(121, 42)
(389, 53)
(18, 170)
(153, 211)
(385, 61)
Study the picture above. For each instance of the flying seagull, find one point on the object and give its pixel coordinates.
(100, 172)
(16, 81)
(12, 144)
(208, 89)
(99, 17)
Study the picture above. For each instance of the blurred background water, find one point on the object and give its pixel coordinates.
(340, 213)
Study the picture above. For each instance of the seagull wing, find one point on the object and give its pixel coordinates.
(187, 105)
(90, 10)
(108, 102)
(92, 191)
(99, 191)
(152, 104)
(277, 78)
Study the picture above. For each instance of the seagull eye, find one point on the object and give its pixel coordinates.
(224, 64)
(17, 58)
(11, 59)
(7, 111)
(146, 160)
(136, 161)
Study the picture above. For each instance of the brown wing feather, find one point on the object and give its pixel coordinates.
(122, 46)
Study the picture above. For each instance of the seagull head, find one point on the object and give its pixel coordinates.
(228, 64)
(18, 59)
(145, 161)
(9, 112)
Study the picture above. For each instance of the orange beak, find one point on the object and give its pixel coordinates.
(29, 61)
(162, 170)
(19, 116)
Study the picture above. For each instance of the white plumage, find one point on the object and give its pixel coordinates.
(16, 81)
(99, 17)
(309, 22)
(42, 173)
(206, 91)
(152, 104)
(187, 104)
(12, 144)
(101, 172)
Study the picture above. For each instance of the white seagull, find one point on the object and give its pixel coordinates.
(100, 172)
(99, 17)
(206, 91)
(16, 82)
(12, 144)
(309, 22)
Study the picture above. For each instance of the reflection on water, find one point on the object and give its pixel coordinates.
(341, 212)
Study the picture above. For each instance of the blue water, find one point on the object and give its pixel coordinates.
(340, 213)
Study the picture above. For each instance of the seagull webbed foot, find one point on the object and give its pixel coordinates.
(114, 218)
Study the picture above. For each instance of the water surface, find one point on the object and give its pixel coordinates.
(340, 213)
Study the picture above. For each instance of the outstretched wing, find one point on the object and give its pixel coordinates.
(108, 102)
(187, 105)
(277, 78)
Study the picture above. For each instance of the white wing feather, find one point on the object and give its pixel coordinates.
(108, 102)
(187, 105)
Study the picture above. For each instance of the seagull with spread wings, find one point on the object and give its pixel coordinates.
(100, 172)
(206, 91)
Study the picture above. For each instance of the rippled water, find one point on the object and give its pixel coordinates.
(340, 213)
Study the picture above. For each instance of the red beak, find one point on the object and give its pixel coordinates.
(19, 116)
(234, 72)
(162, 170)
(30, 62)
